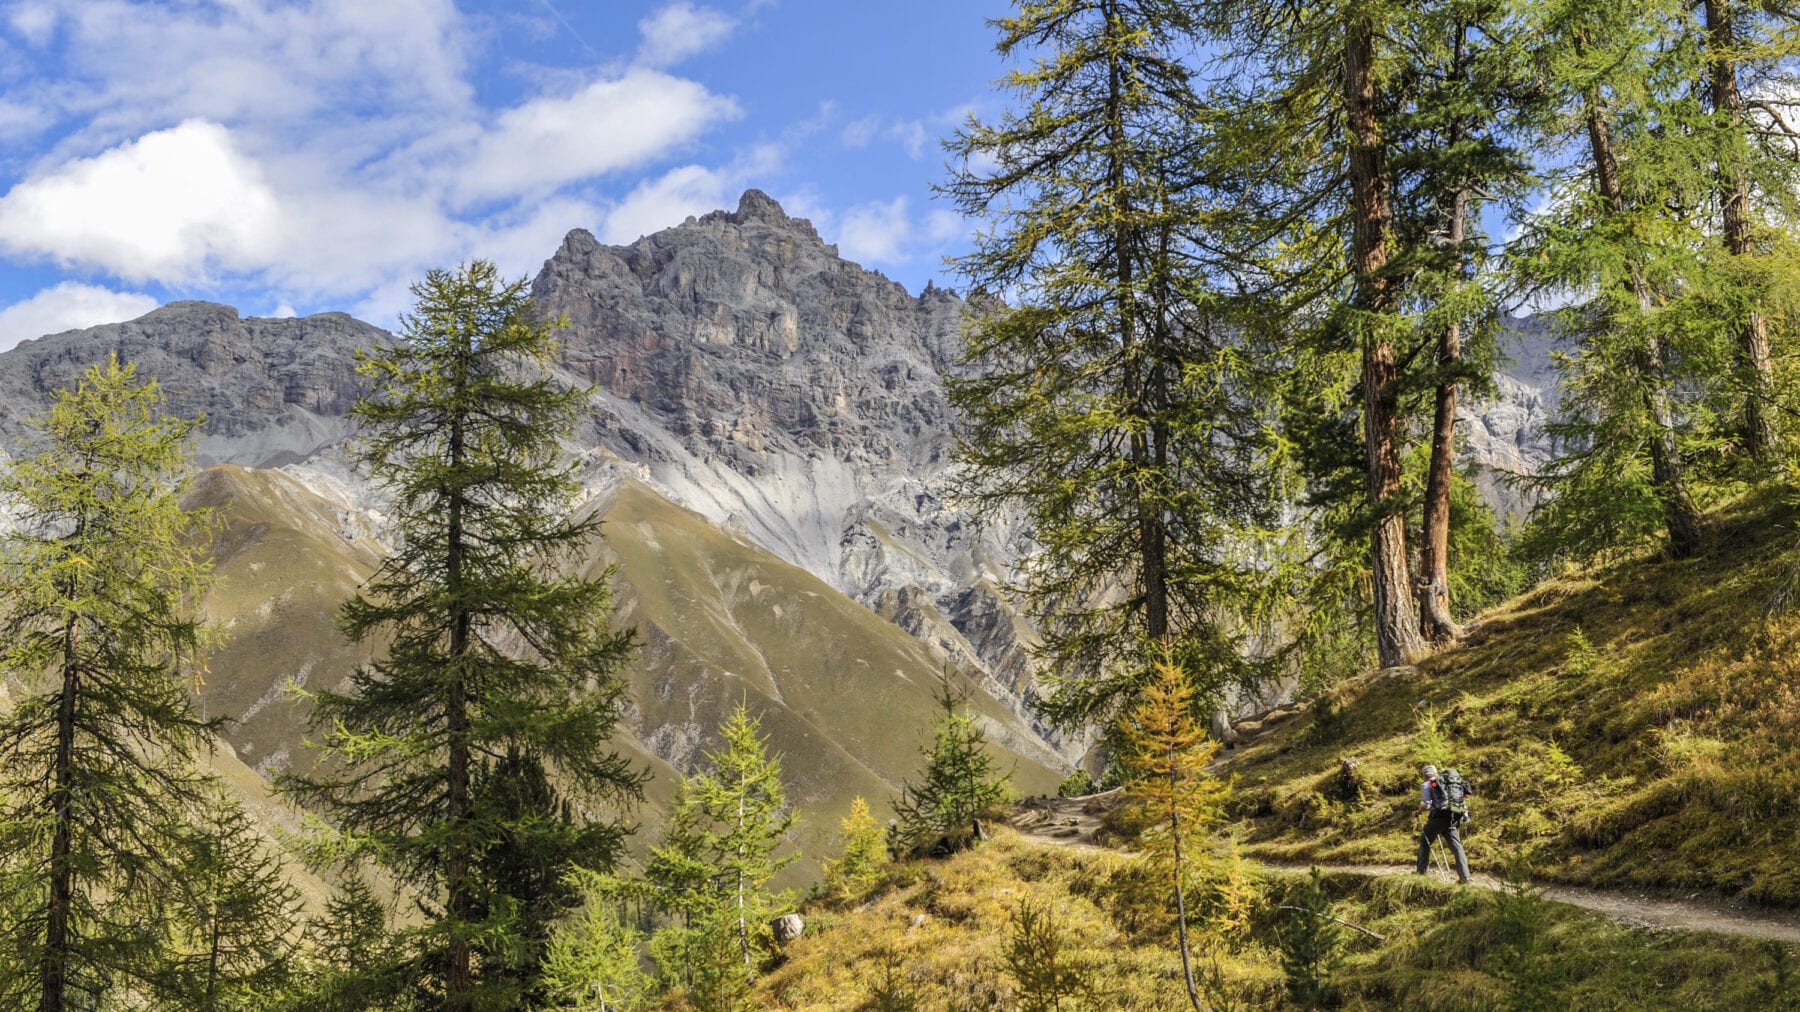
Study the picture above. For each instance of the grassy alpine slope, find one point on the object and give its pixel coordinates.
(1632, 723)
(939, 936)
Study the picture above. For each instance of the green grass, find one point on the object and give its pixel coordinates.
(939, 930)
(1635, 723)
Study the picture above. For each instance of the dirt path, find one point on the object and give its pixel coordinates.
(1641, 909)
(1072, 822)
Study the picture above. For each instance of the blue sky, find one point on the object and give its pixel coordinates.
(299, 156)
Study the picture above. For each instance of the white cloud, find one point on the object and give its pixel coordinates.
(612, 124)
(877, 232)
(68, 306)
(669, 199)
(161, 206)
(35, 22)
(679, 31)
(943, 227)
(860, 133)
(134, 65)
(912, 136)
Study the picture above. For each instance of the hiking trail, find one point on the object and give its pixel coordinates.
(1073, 822)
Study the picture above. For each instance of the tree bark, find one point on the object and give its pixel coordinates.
(54, 969)
(1434, 553)
(1759, 420)
(1187, 964)
(1680, 516)
(458, 983)
(1397, 636)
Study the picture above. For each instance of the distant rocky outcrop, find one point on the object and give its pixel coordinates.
(1506, 434)
(274, 391)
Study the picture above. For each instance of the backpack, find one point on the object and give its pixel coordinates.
(1452, 794)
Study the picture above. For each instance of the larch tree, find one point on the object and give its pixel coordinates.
(99, 752)
(1103, 393)
(1753, 158)
(961, 783)
(499, 655)
(592, 961)
(1621, 238)
(714, 864)
(1466, 92)
(238, 933)
(1303, 101)
(1169, 754)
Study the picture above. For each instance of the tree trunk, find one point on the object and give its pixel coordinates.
(1759, 420)
(1679, 513)
(458, 983)
(1434, 553)
(1397, 635)
(1187, 963)
(1152, 542)
(54, 969)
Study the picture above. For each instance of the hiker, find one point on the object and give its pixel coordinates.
(1446, 801)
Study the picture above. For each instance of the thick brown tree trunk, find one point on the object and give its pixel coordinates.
(1397, 635)
(1759, 419)
(1151, 533)
(1434, 553)
(1680, 515)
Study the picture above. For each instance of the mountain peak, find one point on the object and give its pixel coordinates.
(756, 205)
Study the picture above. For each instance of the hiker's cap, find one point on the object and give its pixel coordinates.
(1429, 771)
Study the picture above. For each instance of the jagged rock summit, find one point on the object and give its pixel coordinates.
(274, 391)
(752, 375)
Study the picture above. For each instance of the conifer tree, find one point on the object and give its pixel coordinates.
(1169, 755)
(495, 653)
(713, 867)
(1616, 236)
(864, 852)
(98, 754)
(592, 960)
(1311, 945)
(960, 784)
(1753, 160)
(1456, 136)
(355, 961)
(237, 931)
(1104, 391)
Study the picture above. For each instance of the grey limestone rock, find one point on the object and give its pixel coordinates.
(273, 391)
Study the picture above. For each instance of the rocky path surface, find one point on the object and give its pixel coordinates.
(1639, 908)
(1074, 822)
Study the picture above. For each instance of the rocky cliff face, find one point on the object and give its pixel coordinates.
(273, 391)
(1505, 434)
(759, 379)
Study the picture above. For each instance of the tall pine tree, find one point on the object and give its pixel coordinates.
(495, 652)
(1104, 394)
(99, 753)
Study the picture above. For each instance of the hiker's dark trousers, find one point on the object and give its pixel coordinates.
(1443, 826)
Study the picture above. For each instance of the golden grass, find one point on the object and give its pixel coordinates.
(1667, 755)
